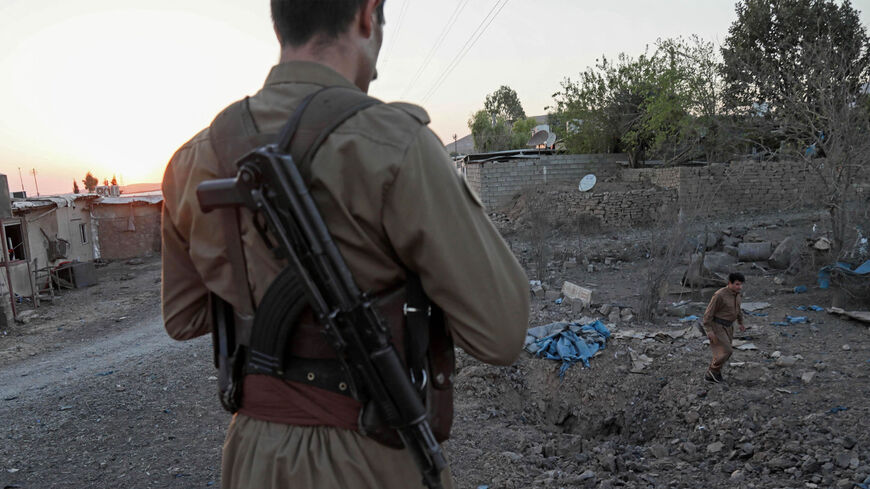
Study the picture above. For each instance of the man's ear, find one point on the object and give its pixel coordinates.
(368, 17)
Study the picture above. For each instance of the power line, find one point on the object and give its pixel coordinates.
(395, 40)
(438, 41)
(472, 40)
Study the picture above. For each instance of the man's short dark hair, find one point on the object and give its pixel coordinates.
(299, 21)
(736, 277)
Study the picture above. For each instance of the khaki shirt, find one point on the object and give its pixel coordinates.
(725, 304)
(389, 194)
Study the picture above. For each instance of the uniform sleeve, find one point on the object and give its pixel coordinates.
(710, 313)
(441, 231)
(183, 294)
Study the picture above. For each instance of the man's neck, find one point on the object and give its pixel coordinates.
(335, 56)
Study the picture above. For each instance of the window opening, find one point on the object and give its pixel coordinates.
(83, 231)
(15, 242)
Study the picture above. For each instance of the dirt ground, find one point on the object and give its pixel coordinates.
(93, 393)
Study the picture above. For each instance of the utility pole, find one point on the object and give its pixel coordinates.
(35, 182)
(21, 179)
(454, 144)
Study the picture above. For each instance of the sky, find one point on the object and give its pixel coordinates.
(115, 87)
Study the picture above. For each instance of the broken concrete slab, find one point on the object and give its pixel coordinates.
(576, 293)
(754, 306)
(863, 316)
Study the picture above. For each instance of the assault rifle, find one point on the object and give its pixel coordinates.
(270, 185)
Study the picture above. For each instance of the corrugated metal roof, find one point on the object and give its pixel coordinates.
(62, 200)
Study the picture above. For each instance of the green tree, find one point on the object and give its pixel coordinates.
(489, 133)
(798, 69)
(521, 132)
(770, 55)
(504, 104)
(90, 182)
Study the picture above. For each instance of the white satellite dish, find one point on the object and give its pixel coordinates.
(587, 183)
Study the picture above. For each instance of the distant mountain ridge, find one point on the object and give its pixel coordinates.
(138, 188)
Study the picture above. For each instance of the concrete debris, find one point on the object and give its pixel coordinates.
(639, 362)
(754, 306)
(747, 347)
(822, 244)
(575, 292)
(863, 316)
(747, 252)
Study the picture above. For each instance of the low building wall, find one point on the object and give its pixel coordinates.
(498, 182)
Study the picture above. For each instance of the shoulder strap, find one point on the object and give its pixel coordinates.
(233, 133)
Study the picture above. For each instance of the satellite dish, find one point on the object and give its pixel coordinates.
(587, 183)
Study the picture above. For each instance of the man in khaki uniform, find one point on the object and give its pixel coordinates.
(724, 308)
(392, 201)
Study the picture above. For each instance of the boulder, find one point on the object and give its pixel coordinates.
(784, 254)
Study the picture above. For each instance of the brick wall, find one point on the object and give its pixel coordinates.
(127, 231)
(498, 182)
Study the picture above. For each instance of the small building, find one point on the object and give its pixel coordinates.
(127, 226)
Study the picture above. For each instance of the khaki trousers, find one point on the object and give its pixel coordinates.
(263, 455)
(720, 342)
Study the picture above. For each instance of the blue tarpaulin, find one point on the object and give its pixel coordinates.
(809, 308)
(570, 342)
(846, 268)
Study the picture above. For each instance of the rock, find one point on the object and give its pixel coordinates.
(849, 443)
(659, 450)
(846, 347)
(845, 484)
(512, 456)
(614, 315)
(822, 244)
(719, 262)
(738, 475)
(25, 317)
(807, 377)
(626, 315)
(590, 268)
(843, 460)
(776, 354)
(789, 361)
(778, 280)
(538, 292)
(780, 463)
(576, 293)
(135, 261)
(784, 254)
(552, 295)
(692, 417)
(605, 309)
(587, 474)
(715, 447)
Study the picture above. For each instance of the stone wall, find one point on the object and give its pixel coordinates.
(498, 182)
(616, 209)
(749, 186)
(660, 177)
